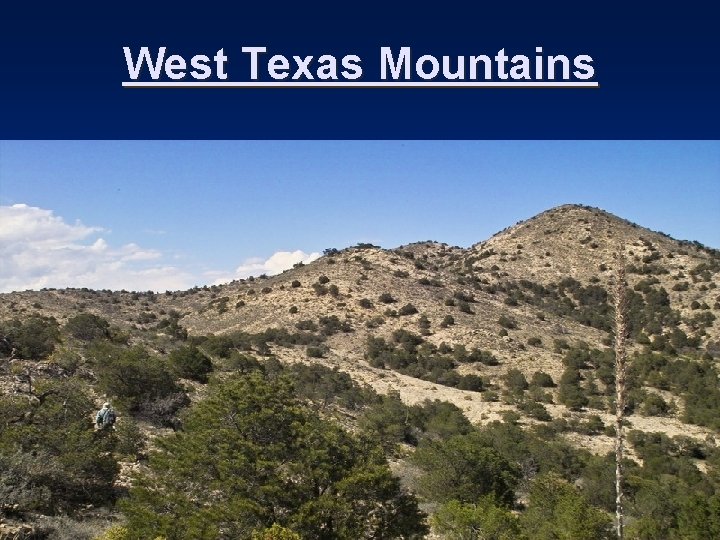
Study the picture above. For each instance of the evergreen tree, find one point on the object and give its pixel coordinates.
(558, 511)
(484, 520)
(251, 456)
(464, 468)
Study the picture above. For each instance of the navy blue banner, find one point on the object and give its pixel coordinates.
(202, 71)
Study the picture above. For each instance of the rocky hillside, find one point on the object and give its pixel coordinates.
(517, 328)
(523, 296)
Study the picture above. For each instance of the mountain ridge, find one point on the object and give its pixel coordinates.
(542, 281)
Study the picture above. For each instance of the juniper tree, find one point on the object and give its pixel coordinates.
(250, 456)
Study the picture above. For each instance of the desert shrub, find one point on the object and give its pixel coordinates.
(295, 284)
(190, 363)
(440, 420)
(470, 382)
(375, 322)
(507, 322)
(482, 519)
(535, 410)
(320, 289)
(570, 393)
(448, 320)
(130, 440)
(133, 376)
(315, 351)
(556, 509)
(331, 325)
(163, 410)
(87, 327)
(464, 297)
(269, 460)
(386, 298)
(306, 325)
(324, 386)
(243, 363)
(171, 324)
(464, 307)
(33, 338)
(365, 303)
(424, 325)
(480, 355)
(51, 460)
(464, 469)
(541, 379)
(323, 279)
(515, 380)
(654, 405)
(276, 532)
(389, 422)
(407, 309)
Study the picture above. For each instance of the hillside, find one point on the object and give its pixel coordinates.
(496, 277)
(472, 327)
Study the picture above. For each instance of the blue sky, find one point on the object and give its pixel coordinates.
(180, 213)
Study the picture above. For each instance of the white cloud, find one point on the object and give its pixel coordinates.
(20, 222)
(275, 264)
(39, 249)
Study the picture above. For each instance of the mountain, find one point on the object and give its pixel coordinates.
(471, 326)
(551, 276)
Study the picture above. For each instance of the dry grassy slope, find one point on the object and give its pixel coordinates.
(368, 273)
(566, 241)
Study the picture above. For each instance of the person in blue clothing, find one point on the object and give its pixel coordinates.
(105, 417)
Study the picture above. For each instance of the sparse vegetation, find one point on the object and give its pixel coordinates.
(250, 457)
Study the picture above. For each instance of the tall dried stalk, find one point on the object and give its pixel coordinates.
(620, 380)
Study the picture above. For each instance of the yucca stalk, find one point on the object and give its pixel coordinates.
(620, 381)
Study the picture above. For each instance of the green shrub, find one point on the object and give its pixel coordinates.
(556, 509)
(190, 363)
(515, 380)
(482, 519)
(315, 352)
(31, 339)
(132, 375)
(464, 469)
(87, 327)
(541, 379)
(269, 460)
(51, 460)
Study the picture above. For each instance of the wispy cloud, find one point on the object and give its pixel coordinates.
(40, 249)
